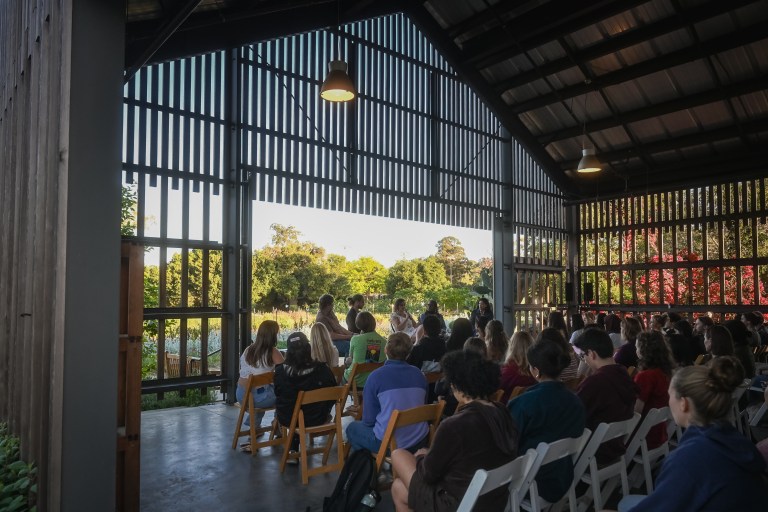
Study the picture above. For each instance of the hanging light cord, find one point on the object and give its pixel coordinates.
(281, 74)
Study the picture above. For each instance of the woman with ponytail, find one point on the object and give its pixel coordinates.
(714, 467)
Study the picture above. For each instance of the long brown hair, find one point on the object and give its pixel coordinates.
(496, 339)
(259, 353)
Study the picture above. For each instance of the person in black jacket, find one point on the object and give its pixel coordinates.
(426, 354)
(301, 373)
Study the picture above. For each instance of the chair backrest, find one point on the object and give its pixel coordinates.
(359, 369)
(652, 418)
(517, 391)
(496, 396)
(604, 432)
(632, 370)
(484, 481)
(338, 373)
(433, 377)
(262, 379)
(172, 365)
(700, 359)
(424, 413)
(550, 452)
(735, 412)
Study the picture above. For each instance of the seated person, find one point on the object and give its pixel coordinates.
(356, 303)
(339, 335)
(478, 345)
(396, 385)
(714, 467)
(481, 435)
(741, 348)
(366, 347)
(655, 365)
(497, 341)
(433, 311)
(259, 357)
(300, 373)
(626, 356)
(547, 412)
(461, 331)
(515, 371)
(426, 354)
(608, 394)
(402, 321)
(322, 347)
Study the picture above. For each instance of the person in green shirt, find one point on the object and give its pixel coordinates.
(366, 347)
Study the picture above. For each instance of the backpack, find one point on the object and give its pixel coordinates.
(355, 489)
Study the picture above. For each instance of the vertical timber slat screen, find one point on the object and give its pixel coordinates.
(540, 242)
(416, 144)
(695, 250)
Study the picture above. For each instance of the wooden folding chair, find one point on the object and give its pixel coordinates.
(338, 373)
(632, 371)
(546, 453)
(700, 359)
(424, 413)
(332, 429)
(496, 396)
(517, 391)
(638, 451)
(433, 377)
(172, 365)
(586, 468)
(356, 410)
(484, 481)
(255, 381)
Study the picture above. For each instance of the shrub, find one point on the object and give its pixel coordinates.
(18, 487)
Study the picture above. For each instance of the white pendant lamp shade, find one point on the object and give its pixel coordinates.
(589, 162)
(337, 86)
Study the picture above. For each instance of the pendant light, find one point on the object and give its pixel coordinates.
(589, 163)
(337, 86)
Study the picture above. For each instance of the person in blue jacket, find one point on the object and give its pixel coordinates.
(714, 468)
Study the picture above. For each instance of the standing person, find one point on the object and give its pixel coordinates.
(714, 467)
(461, 331)
(655, 364)
(259, 357)
(608, 394)
(481, 435)
(356, 303)
(395, 386)
(366, 347)
(433, 311)
(496, 340)
(339, 335)
(300, 373)
(482, 311)
(516, 371)
(402, 321)
(323, 349)
(547, 412)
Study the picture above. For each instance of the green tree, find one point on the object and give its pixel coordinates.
(453, 258)
(423, 276)
(128, 210)
(195, 274)
(366, 276)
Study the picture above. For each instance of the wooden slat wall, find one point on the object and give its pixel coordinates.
(32, 52)
(707, 246)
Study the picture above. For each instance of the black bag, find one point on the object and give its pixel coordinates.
(355, 489)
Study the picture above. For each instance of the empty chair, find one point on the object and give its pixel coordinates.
(638, 451)
(512, 474)
(545, 454)
(356, 410)
(587, 469)
(332, 429)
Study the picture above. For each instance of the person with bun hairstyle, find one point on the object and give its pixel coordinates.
(546, 412)
(481, 435)
(356, 303)
(714, 467)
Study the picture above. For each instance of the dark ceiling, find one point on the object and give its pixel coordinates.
(672, 92)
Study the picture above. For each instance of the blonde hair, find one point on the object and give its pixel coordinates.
(321, 345)
(517, 351)
(709, 388)
(259, 353)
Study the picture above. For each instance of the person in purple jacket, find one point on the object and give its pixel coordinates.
(714, 468)
(395, 386)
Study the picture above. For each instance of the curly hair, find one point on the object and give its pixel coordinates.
(496, 339)
(654, 352)
(471, 374)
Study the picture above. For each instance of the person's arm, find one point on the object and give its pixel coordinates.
(644, 386)
(277, 356)
(398, 324)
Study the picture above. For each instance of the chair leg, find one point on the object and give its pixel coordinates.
(238, 426)
(328, 446)
(303, 457)
(286, 447)
(648, 474)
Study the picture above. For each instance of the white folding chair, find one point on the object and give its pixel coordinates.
(512, 473)
(735, 415)
(546, 453)
(586, 468)
(638, 451)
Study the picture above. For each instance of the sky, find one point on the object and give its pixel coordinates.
(354, 235)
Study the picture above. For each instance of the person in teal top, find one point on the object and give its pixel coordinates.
(547, 412)
(366, 347)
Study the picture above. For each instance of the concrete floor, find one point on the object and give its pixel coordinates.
(187, 464)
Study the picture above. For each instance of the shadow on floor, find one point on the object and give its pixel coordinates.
(187, 464)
